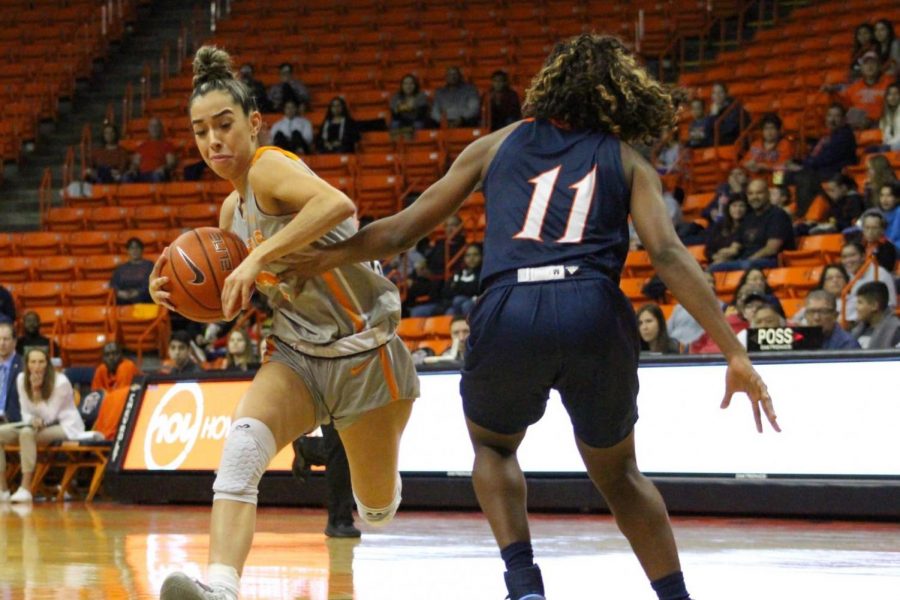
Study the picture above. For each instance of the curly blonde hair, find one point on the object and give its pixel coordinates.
(594, 82)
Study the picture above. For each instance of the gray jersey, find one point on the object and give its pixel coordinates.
(345, 311)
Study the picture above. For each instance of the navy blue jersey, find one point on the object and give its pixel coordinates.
(554, 197)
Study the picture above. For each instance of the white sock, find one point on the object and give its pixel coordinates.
(224, 578)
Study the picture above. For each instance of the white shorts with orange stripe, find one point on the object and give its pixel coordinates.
(346, 387)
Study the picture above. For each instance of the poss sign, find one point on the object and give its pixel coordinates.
(183, 426)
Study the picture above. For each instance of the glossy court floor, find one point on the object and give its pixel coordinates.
(58, 551)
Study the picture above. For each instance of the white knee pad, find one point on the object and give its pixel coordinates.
(379, 517)
(249, 448)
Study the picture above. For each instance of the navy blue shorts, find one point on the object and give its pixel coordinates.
(578, 336)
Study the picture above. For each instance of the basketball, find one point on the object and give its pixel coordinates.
(199, 261)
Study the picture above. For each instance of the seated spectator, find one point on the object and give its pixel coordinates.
(339, 133)
(462, 290)
(32, 338)
(287, 89)
(888, 201)
(505, 105)
(667, 152)
(889, 124)
(459, 333)
(772, 152)
(754, 280)
(7, 306)
(423, 291)
(48, 415)
(738, 320)
(10, 367)
(409, 107)
(653, 333)
(834, 151)
(834, 279)
(780, 196)
(853, 255)
(821, 310)
(732, 119)
(437, 254)
(115, 372)
(763, 234)
(257, 89)
(457, 101)
(294, 132)
(131, 281)
(864, 98)
(845, 205)
(887, 46)
(700, 129)
(240, 355)
(877, 245)
(863, 41)
(155, 159)
(735, 185)
(682, 326)
(180, 359)
(721, 241)
(767, 316)
(110, 161)
(878, 327)
(878, 173)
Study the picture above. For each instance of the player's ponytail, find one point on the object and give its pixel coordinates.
(212, 71)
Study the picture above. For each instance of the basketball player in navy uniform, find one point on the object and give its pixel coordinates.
(559, 189)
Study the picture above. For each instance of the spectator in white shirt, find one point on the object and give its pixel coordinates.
(294, 132)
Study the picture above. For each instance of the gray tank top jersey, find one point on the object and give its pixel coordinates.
(345, 311)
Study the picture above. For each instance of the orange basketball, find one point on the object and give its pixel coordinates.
(199, 261)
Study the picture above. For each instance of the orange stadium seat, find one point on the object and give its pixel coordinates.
(332, 165)
(88, 292)
(66, 219)
(95, 318)
(52, 319)
(411, 329)
(727, 282)
(89, 242)
(423, 140)
(637, 264)
(814, 250)
(40, 293)
(7, 244)
(83, 349)
(137, 194)
(157, 216)
(101, 195)
(56, 268)
(455, 140)
(377, 195)
(631, 287)
(377, 163)
(182, 192)
(792, 282)
(99, 266)
(191, 216)
(377, 141)
(152, 239)
(40, 243)
(109, 218)
(437, 327)
(438, 346)
(143, 327)
(16, 269)
(421, 169)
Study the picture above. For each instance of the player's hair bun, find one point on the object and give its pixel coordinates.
(211, 64)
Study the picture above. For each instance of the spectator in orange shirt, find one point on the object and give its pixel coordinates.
(155, 159)
(864, 99)
(115, 372)
(772, 152)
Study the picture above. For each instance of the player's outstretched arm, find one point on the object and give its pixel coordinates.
(399, 232)
(683, 276)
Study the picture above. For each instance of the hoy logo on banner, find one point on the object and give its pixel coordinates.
(174, 427)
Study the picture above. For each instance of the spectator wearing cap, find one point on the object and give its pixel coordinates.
(739, 320)
(877, 244)
(131, 281)
(257, 89)
(505, 105)
(834, 151)
(772, 152)
(287, 89)
(878, 327)
(820, 310)
(864, 98)
(763, 234)
(458, 101)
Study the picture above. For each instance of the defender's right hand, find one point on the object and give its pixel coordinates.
(742, 377)
(157, 284)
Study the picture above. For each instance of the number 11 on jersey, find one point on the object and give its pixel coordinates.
(544, 185)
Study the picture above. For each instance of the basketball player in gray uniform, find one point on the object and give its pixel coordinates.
(333, 355)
